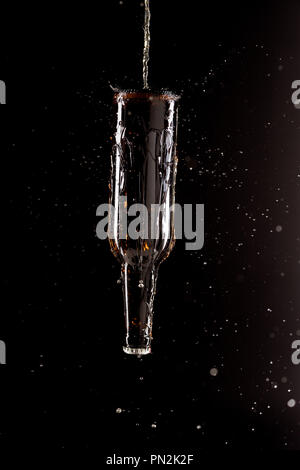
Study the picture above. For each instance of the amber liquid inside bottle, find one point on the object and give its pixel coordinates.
(143, 170)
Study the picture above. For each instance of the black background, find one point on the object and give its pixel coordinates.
(233, 306)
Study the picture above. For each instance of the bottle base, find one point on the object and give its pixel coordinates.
(137, 351)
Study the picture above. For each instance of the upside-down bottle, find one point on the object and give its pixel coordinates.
(143, 172)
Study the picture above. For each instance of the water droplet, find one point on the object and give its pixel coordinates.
(291, 403)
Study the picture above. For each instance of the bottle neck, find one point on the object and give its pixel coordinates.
(138, 292)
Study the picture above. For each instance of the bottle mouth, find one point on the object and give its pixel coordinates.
(145, 95)
(137, 351)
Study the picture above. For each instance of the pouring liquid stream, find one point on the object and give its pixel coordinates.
(146, 44)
